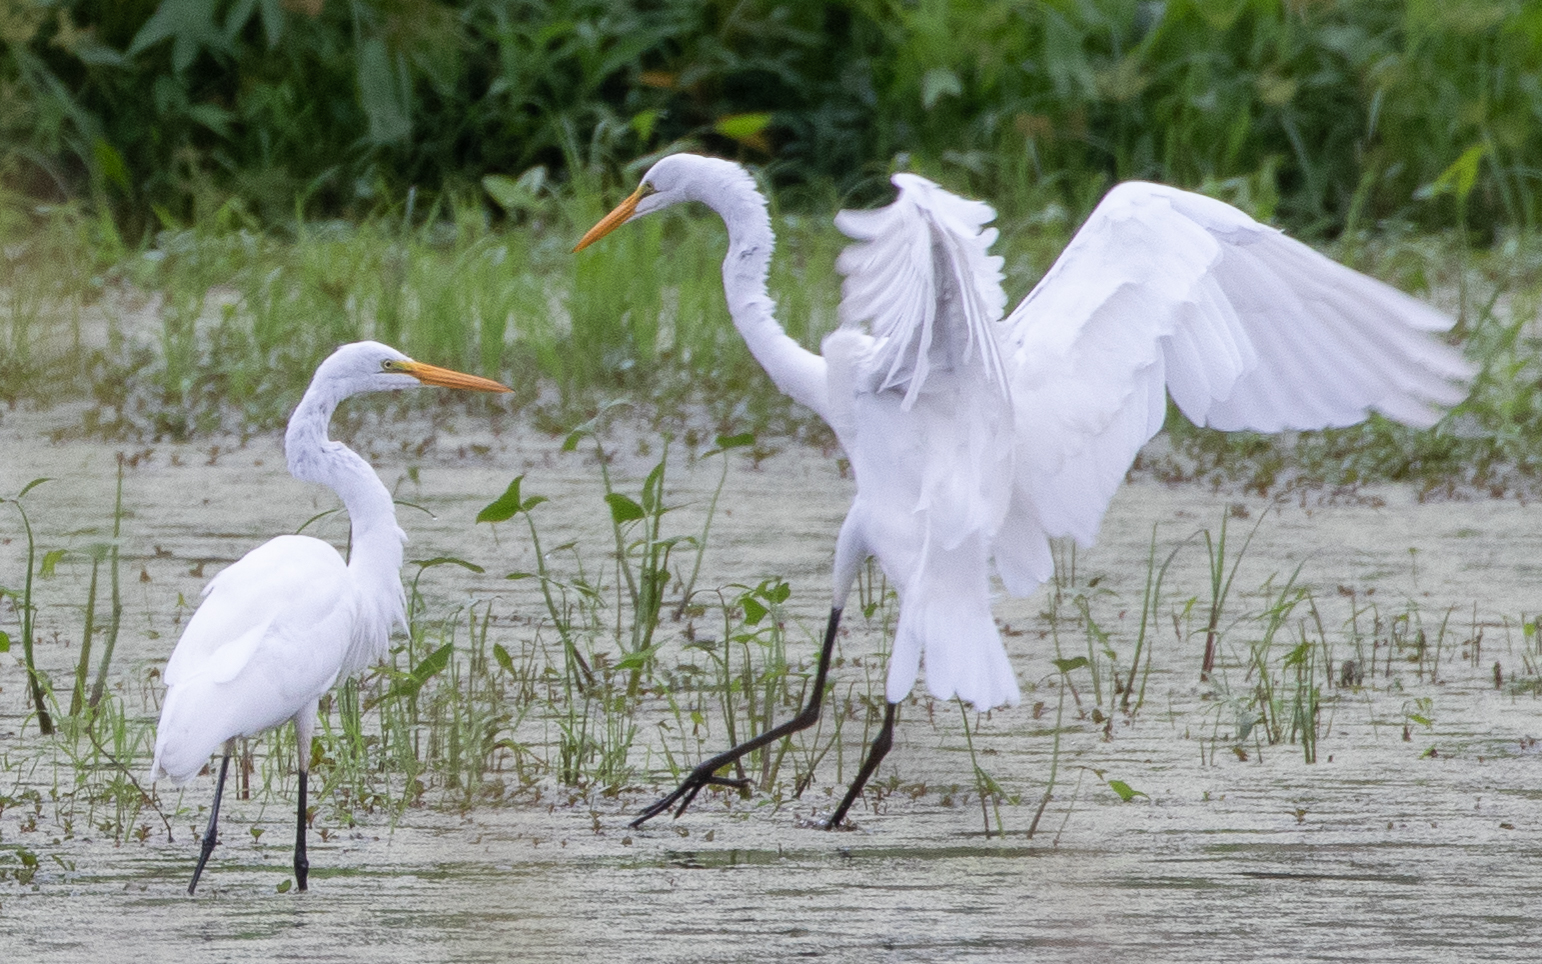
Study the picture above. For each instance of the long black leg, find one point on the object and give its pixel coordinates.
(211, 833)
(704, 775)
(302, 866)
(881, 744)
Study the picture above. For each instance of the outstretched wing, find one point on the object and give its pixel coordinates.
(1167, 291)
(921, 283)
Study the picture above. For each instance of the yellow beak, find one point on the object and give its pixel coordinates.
(611, 221)
(445, 378)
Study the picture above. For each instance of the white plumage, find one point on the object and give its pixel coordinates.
(278, 628)
(975, 437)
(247, 662)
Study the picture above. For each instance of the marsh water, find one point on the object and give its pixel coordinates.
(1414, 835)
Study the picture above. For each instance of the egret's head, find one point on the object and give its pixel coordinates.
(676, 178)
(368, 366)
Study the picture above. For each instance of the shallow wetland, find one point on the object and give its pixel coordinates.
(1414, 835)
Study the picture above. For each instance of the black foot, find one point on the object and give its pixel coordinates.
(705, 775)
(692, 785)
(880, 748)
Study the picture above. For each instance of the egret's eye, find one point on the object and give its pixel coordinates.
(644, 189)
(390, 365)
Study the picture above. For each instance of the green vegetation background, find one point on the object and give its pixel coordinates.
(1344, 110)
(277, 176)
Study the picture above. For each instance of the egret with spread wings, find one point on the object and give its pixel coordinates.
(976, 436)
(279, 627)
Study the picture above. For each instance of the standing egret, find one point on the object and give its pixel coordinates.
(976, 438)
(289, 619)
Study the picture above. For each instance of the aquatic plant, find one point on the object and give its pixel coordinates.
(26, 610)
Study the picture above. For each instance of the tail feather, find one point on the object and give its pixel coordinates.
(197, 717)
(948, 620)
(964, 657)
(182, 748)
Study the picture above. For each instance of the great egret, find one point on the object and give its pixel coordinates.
(289, 619)
(976, 438)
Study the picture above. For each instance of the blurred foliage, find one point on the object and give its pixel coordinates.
(200, 198)
(1332, 111)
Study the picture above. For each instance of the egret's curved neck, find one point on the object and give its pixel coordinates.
(797, 371)
(376, 553)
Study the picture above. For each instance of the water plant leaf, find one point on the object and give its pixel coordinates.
(447, 561)
(643, 123)
(408, 684)
(404, 504)
(5, 642)
(754, 612)
(517, 196)
(190, 26)
(638, 659)
(1125, 791)
(591, 426)
(503, 507)
(1299, 655)
(622, 508)
(520, 575)
(726, 442)
(1076, 662)
(110, 164)
(284, 885)
(502, 656)
(216, 119)
(747, 129)
(653, 485)
(315, 518)
(433, 663)
(50, 563)
(385, 92)
(30, 486)
(1457, 179)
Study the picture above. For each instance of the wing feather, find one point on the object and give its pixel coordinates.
(265, 644)
(916, 262)
(288, 579)
(1166, 291)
